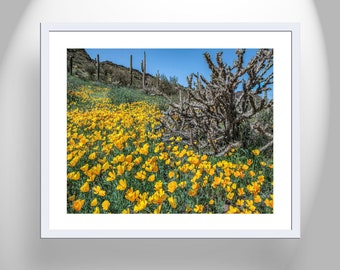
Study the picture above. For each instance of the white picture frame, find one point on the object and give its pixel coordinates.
(57, 38)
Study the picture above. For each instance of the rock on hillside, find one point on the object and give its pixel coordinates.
(80, 64)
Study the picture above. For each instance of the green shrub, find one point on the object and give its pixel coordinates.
(120, 95)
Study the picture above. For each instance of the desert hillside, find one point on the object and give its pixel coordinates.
(80, 65)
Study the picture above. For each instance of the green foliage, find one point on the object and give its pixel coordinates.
(120, 95)
(168, 86)
(75, 83)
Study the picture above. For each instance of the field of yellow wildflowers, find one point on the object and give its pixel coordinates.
(119, 163)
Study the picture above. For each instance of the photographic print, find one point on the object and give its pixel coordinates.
(186, 131)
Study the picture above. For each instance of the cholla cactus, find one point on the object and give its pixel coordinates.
(211, 114)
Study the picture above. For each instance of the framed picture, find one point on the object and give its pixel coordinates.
(170, 131)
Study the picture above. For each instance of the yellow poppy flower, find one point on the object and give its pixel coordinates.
(78, 204)
(237, 174)
(195, 186)
(178, 139)
(131, 195)
(240, 202)
(151, 178)
(245, 167)
(192, 192)
(111, 176)
(85, 168)
(74, 161)
(126, 211)
(240, 191)
(128, 158)
(158, 185)
(140, 206)
(217, 181)
(91, 178)
(257, 199)
(158, 197)
(171, 174)
(96, 169)
(73, 175)
(256, 152)
(94, 202)
(92, 156)
(230, 195)
(122, 185)
(141, 175)
(96, 210)
(120, 169)
(121, 158)
(71, 198)
(172, 201)
(158, 209)
(172, 186)
(204, 157)
(182, 184)
(105, 166)
(102, 193)
(99, 191)
(85, 187)
(269, 203)
(260, 179)
(105, 205)
(198, 208)
(233, 210)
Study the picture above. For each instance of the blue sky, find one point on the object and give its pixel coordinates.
(170, 62)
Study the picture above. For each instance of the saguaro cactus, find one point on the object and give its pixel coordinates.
(144, 69)
(130, 69)
(71, 65)
(157, 79)
(98, 68)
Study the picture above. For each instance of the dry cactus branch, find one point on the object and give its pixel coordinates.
(210, 115)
